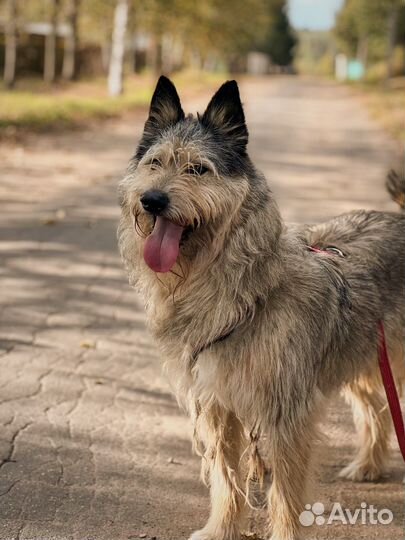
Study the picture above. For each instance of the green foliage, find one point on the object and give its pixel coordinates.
(223, 28)
(279, 40)
(401, 27)
(346, 28)
(316, 51)
(212, 26)
(368, 20)
(96, 21)
(176, 34)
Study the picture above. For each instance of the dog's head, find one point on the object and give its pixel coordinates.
(189, 177)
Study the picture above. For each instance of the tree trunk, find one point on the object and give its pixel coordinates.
(11, 45)
(69, 68)
(362, 50)
(167, 54)
(116, 69)
(154, 55)
(158, 64)
(392, 37)
(50, 44)
(105, 55)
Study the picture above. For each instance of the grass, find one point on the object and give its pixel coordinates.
(387, 104)
(44, 112)
(35, 107)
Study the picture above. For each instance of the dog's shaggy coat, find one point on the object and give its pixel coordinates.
(255, 329)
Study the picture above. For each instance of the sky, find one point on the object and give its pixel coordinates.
(313, 14)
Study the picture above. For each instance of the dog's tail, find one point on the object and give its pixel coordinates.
(395, 184)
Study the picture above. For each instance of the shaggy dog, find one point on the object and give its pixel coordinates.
(256, 329)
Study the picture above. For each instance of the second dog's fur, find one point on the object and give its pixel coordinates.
(255, 329)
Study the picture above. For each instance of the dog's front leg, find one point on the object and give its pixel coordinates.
(224, 441)
(291, 452)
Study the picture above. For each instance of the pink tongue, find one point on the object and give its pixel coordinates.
(162, 246)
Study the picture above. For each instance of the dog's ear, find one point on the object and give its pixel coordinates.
(165, 108)
(225, 114)
(165, 111)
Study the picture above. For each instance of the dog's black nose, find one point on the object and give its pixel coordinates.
(155, 201)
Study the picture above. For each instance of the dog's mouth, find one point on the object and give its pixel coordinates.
(162, 246)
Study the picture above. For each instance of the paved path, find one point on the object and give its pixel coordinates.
(92, 445)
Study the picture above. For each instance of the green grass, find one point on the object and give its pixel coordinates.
(42, 112)
(32, 106)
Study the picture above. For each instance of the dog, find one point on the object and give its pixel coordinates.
(258, 322)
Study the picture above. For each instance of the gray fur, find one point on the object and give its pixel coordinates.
(303, 325)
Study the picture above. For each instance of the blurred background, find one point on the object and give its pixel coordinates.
(62, 60)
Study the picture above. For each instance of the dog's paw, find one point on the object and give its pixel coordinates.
(361, 473)
(277, 537)
(208, 534)
(201, 535)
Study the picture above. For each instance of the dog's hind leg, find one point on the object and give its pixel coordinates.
(224, 441)
(291, 455)
(372, 419)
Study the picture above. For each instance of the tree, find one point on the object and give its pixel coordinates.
(50, 43)
(176, 32)
(393, 24)
(116, 69)
(346, 27)
(280, 38)
(11, 44)
(369, 29)
(69, 68)
(214, 31)
(96, 23)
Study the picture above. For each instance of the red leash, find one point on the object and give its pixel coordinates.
(385, 368)
(391, 390)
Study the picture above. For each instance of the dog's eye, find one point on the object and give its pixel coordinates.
(198, 170)
(155, 164)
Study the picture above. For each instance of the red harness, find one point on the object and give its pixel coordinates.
(385, 368)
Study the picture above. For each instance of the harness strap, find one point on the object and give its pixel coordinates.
(226, 335)
(391, 390)
(197, 353)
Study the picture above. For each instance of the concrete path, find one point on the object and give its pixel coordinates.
(92, 444)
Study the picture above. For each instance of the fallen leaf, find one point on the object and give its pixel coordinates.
(87, 344)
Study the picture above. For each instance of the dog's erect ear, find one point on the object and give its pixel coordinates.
(165, 108)
(225, 114)
(165, 111)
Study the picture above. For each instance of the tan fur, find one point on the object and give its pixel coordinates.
(372, 418)
(301, 325)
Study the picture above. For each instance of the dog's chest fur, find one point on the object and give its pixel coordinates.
(274, 341)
